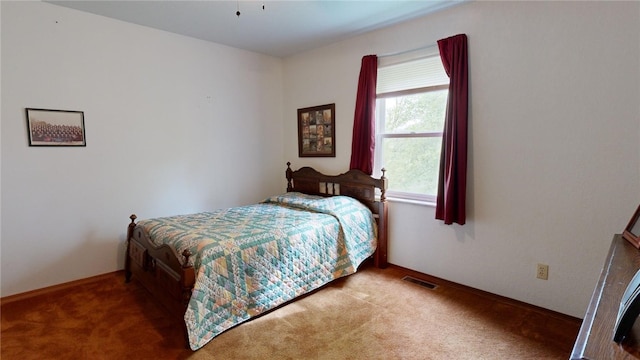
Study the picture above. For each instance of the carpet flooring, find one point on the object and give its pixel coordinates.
(373, 314)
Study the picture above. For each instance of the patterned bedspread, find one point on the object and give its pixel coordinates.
(253, 258)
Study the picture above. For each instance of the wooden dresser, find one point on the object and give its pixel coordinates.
(595, 339)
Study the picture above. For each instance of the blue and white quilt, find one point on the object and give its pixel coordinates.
(250, 259)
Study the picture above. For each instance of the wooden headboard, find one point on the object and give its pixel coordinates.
(353, 183)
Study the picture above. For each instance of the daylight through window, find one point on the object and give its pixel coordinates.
(410, 111)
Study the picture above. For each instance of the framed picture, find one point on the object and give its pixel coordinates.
(317, 131)
(55, 127)
(632, 231)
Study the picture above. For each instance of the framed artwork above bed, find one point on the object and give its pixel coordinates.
(317, 131)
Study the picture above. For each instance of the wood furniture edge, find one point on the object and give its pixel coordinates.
(595, 339)
(579, 347)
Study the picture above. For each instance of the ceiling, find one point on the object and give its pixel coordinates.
(283, 28)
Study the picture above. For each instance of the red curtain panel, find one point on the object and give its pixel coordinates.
(364, 122)
(452, 184)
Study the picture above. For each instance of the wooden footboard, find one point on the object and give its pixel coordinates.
(159, 269)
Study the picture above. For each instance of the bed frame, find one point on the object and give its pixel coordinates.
(171, 281)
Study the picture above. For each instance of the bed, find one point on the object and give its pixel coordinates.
(215, 270)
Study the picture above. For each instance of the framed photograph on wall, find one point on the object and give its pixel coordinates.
(632, 231)
(55, 127)
(317, 131)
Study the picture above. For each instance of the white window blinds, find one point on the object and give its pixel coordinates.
(410, 74)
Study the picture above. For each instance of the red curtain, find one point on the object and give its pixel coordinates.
(452, 184)
(364, 122)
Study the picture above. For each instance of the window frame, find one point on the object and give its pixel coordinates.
(380, 136)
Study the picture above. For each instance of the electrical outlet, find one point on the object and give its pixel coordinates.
(543, 272)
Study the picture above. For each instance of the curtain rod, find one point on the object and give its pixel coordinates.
(428, 47)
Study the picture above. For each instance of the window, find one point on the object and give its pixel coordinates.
(410, 111)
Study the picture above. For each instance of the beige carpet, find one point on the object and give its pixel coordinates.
(370, 315)
(373, 316)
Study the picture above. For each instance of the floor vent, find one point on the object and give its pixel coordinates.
(422, 283)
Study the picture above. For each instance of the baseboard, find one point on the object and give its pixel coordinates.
(50, 289)
(503, 299)
(413, 273)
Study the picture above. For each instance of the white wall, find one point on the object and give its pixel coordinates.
(554, 142)
(173, 125)
(176, 125)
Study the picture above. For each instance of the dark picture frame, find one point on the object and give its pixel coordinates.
(317, 131)
(632, 231)
(47, 127)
